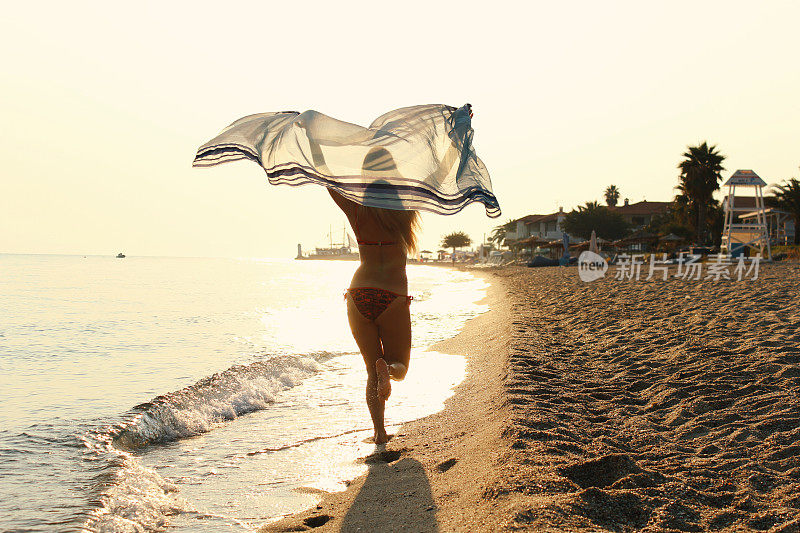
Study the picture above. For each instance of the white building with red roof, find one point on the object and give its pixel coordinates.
(542, 226)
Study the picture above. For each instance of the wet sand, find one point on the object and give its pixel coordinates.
(609, 406)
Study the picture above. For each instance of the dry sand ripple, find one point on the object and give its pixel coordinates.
(653, 405)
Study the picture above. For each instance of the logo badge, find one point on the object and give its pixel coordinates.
(591, 266)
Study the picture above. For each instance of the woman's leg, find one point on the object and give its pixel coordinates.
(365, 332)
(394, 330)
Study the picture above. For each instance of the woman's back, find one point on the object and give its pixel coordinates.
(384, 238)
(382, 252)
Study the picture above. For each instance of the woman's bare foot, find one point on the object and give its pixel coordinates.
(397, 371)
(384, 387)
(380, 437)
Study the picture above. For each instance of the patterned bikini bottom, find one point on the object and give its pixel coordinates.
(371, 302)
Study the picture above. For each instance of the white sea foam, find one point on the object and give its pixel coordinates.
(138, 499)
(224, 396)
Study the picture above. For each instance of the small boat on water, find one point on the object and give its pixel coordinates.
(335, 251)
(120, 256)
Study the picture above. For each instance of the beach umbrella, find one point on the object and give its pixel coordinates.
(671, 237)
(528, 244)
(670, 241)
(638, 237)
(605, 243)
(552, 246)
(531, 242)
(565, 257)
(593, 242)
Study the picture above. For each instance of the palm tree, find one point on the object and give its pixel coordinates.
(612, 195)
(700, 177)
(787, 198)
(606, 223)
(498, 236)
(455, 240)
(683, 209)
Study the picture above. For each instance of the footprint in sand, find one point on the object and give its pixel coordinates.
(444, 466)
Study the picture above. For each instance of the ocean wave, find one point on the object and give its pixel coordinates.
(133, 498)
(224, 396)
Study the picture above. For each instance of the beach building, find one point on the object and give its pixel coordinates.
(547, 227)
(640, 214)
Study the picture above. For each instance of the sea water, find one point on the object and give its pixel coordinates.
(195, 394)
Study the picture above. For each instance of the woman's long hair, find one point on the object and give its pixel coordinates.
(403, 224)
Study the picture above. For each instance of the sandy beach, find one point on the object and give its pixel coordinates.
(608, 406)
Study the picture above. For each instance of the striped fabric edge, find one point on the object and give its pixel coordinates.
(289, 176)
(358, 181)
(415, 194)
(430, 203)
(409, 202)
(225, 153)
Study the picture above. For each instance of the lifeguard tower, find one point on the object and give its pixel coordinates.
(739, 235)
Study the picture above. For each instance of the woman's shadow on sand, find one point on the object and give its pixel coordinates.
(395, 496)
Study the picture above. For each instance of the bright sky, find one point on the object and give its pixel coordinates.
(103, 107)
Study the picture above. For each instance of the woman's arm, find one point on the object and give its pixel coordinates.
(451, 157)
(322, 130)
(348, 206)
